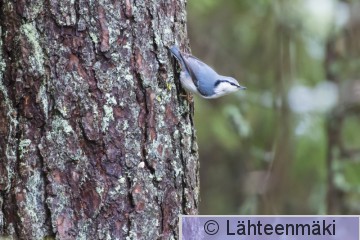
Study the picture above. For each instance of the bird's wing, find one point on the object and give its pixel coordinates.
(203, 76)
(191, 64)
(188, 62)
(185, 64)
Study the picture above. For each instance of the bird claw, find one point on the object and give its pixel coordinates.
(187, 96)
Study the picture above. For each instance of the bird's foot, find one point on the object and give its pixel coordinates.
(188, 97)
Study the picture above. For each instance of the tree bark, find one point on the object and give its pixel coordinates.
(95, 142)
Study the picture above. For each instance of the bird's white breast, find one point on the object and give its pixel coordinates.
(187, 82)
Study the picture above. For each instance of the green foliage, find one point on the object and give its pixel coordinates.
(271, 46)
(350, 136)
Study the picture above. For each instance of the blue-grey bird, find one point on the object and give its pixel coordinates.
(198, 77)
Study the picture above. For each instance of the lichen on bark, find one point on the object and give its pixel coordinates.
(96, 141)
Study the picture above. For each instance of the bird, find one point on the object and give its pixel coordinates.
(199, 78)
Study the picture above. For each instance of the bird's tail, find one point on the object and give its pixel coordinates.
(175, 51)
(177, 54)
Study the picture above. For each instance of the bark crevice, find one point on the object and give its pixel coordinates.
(101, 137)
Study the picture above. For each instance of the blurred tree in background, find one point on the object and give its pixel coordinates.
(290, 144)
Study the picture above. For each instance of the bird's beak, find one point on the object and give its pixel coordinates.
(241, 87)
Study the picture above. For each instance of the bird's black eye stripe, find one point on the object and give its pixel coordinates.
(220, 81)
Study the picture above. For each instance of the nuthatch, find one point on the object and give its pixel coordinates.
(198, 77)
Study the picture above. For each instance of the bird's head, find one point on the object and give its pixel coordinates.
(226, 85)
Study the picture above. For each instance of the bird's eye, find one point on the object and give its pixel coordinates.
(217, 83)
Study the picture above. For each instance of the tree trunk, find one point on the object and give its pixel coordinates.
(95, 142)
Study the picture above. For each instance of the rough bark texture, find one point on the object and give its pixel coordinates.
(94, 141)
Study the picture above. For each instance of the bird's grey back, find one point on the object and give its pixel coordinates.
(205, 76)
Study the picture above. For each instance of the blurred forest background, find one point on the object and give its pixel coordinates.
(290, 143)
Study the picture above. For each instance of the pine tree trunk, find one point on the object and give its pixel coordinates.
(95, 142)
